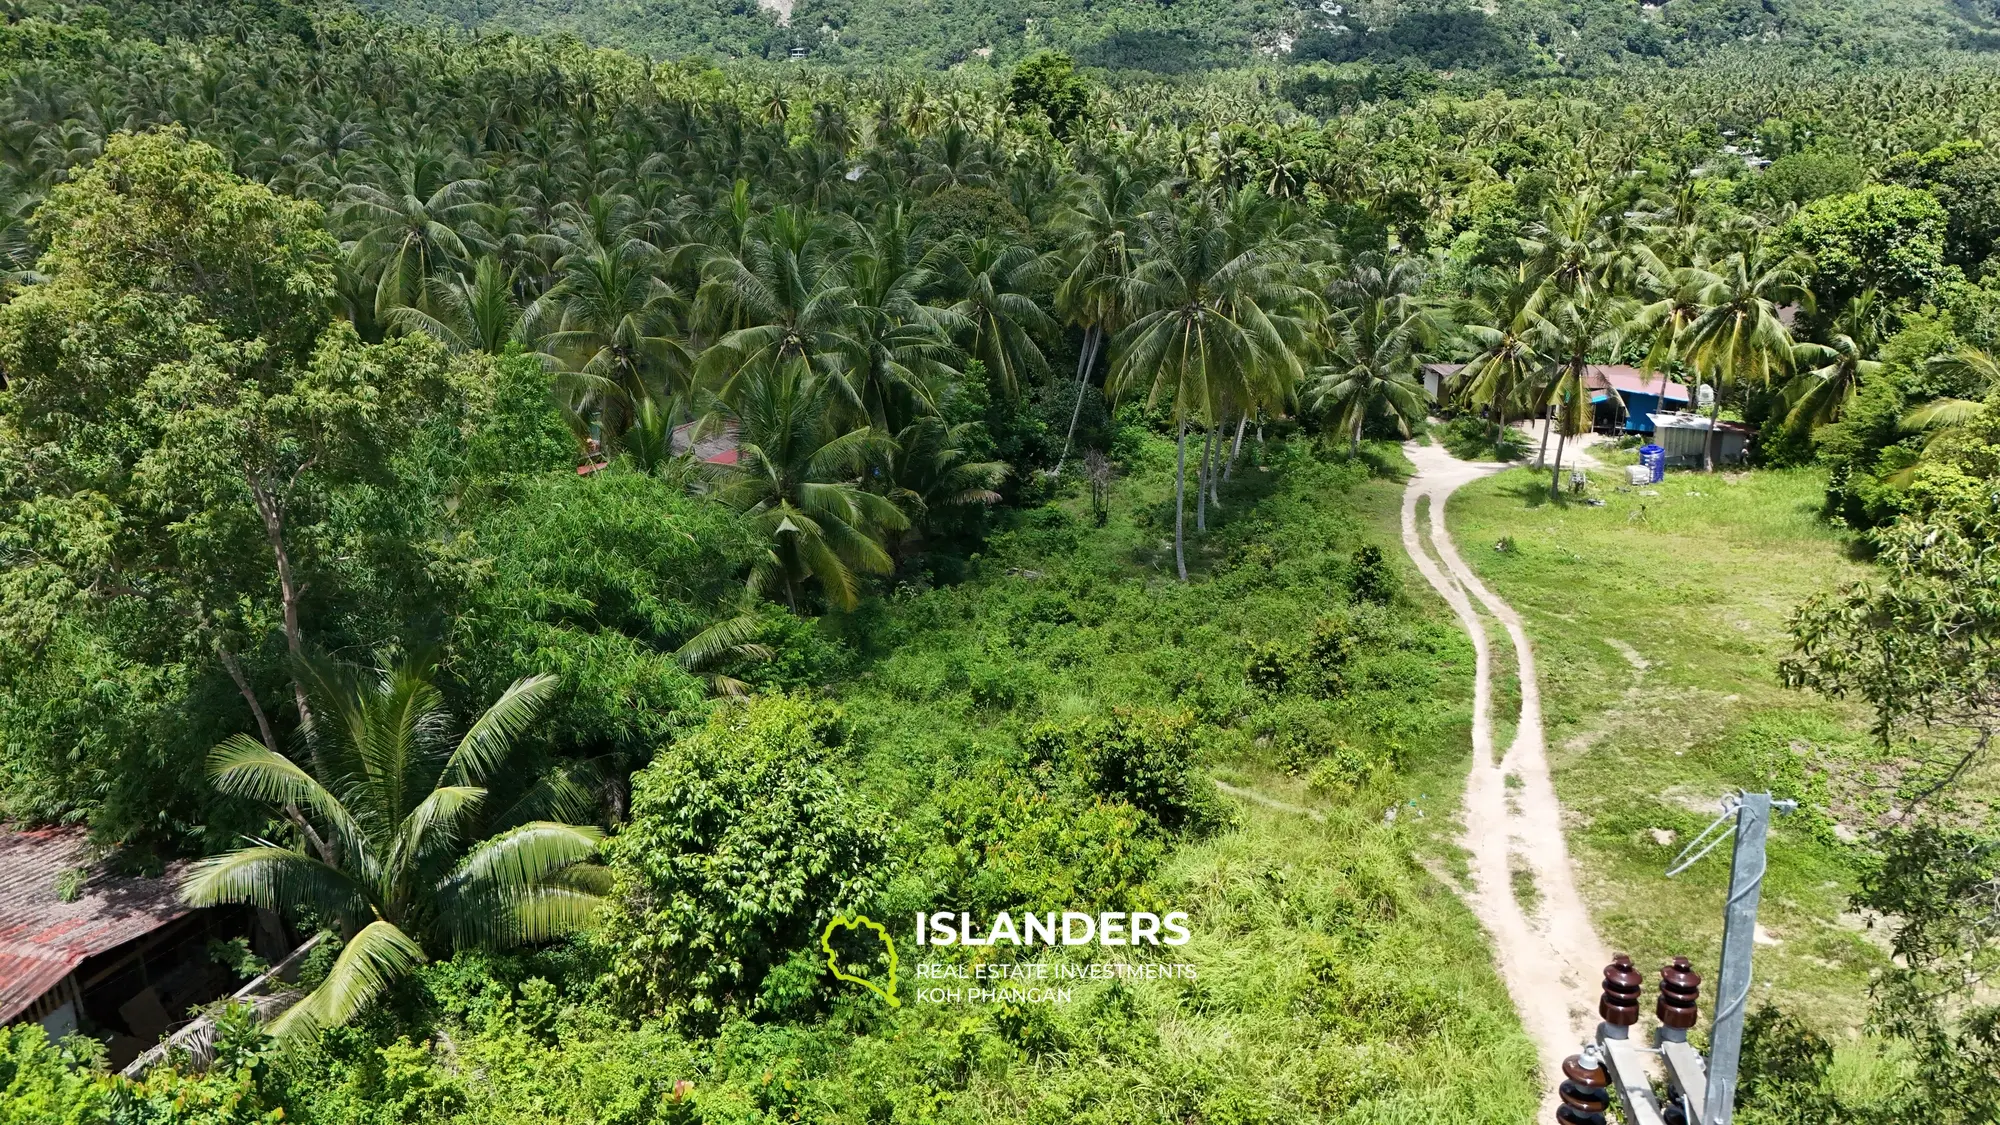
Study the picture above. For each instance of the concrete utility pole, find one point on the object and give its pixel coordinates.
(1610, 1075)
(1739, 939)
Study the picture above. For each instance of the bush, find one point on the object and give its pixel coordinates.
(1372, 580)
(742, 844)
(1471, 438)
(1141, 758)
(1009, 843)
(44, 1083)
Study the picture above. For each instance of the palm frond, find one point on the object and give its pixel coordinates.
(369, 965)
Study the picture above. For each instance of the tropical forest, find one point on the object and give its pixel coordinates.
(1213, 562)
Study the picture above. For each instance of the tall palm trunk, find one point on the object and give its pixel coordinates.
(1180, 502)
(1201, 482)
(1354, 436)
(1236, 449)
(1542, 454)
(1091, 339)
(1215, 472)
(1711, 440)
(1555, 474)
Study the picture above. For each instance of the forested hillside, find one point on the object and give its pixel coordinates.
(1510, 38)
(570, 526)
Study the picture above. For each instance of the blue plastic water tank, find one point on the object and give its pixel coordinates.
(1655, 460)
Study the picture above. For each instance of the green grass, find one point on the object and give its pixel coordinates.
(1658, 622)
(1338, 978)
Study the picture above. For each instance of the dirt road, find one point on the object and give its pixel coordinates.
(1547, 951)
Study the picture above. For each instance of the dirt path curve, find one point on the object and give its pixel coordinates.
(1549, 954)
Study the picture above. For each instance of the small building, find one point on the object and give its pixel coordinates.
(1441, 379)
(1682, 435)
(1624, 398)
(118, 957)
(714, 446)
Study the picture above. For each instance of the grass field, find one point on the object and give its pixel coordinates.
(1339, 980)
(1658, 620)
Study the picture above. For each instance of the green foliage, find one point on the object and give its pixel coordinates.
(1371, 579)
(1008, 842)
(598, 581)
(44, 1083)
(1048, 85)
(1801, 177)
(385, 817)
(743, 842)
(1887, 238)
(1146, 760)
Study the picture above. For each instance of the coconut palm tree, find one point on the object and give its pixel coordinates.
(1833, 371)
(410, 224)
(1739, 335)
(615, 334)
(1210, 326)
(1102, 232)
(1571, 331)
(997, 280)
(479, 314)
(387, 806)
(1381, 332)
(798, 480)
(1499, 320)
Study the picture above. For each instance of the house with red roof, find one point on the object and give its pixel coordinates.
(1624, 398)
(119, 957)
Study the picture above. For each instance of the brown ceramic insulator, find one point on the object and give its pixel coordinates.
(1620, 1003)
(1680, 994)
(1570, 1115)
(1591, 1099)
(1575, 1070)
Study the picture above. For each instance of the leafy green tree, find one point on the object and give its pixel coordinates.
(1048, 83)
(383, 815)
(1887, 238)
(743, 844)
(202, 436)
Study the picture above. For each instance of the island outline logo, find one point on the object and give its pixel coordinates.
(843, 922)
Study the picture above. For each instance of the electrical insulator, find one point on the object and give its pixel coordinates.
(1585, 1091)
(1680, 993)
(1620, 1003)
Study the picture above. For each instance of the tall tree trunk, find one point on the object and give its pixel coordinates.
(1236, 449)
(1354, 437)
(1542, 454)
(1180, 503)
(292, 813)
(1215, 472)
(1092, 337)
(1555, 474)
(1711, 442)
(289, 592)
(1201, 483)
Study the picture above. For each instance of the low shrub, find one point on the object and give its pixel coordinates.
(742, 843)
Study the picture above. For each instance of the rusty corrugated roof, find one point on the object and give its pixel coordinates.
(42, 937)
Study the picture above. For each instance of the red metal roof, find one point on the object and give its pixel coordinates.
(42, 937)
(717, 447)
(1628, 380)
